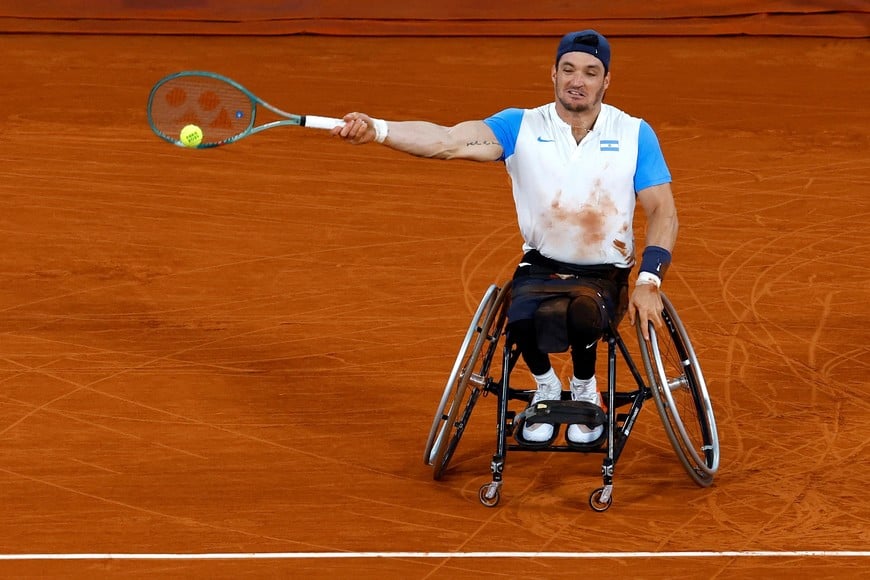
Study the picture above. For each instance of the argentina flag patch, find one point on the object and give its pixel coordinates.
(610, 145)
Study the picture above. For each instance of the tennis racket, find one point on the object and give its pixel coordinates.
(224, 110)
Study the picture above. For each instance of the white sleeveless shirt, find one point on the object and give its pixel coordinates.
(575, 202)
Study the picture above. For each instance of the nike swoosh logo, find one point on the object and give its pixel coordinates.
(542, 140)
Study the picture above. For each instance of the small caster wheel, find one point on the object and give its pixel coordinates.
(600, 502)
(489, 495)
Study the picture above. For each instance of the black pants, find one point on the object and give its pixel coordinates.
(587, 317)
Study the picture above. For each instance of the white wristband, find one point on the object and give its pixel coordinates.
(381, 130)
(648, 278)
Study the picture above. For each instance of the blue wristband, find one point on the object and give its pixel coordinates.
(655, 261)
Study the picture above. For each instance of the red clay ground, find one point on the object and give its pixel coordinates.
(240, 350)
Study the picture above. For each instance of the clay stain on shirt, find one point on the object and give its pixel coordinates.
(590, 218)
(621, 246)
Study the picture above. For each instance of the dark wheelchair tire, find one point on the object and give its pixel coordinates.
(489, 497)
(597, 504)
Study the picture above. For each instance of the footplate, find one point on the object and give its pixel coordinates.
(564, 413)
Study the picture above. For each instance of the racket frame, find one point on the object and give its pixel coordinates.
(290, 119)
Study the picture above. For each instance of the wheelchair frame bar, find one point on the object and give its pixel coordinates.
(617, 435)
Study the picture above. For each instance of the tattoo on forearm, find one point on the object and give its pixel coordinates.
(473, 143)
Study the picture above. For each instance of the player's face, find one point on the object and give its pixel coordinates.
(579, 81)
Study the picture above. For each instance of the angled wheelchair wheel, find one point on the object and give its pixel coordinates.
(468, 379)
(681, 396)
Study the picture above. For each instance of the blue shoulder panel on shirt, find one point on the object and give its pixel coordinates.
(506, 126)
(651, 167)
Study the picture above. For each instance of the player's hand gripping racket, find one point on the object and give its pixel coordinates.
(224, 110)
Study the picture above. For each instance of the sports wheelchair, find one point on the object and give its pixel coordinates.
(673, 379)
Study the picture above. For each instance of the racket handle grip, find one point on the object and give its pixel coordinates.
(315, 122)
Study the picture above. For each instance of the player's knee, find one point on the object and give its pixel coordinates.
(586, 319)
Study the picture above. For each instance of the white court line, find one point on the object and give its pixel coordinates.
(440, 555)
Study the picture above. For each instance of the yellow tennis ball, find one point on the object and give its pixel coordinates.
(191, 136)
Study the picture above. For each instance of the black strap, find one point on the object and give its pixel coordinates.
(564, 412)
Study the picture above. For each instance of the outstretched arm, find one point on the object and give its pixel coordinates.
(661, 231)
(472, 140)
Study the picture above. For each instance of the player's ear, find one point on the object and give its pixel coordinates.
(553, 74)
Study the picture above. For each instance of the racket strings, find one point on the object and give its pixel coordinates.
(221, 110)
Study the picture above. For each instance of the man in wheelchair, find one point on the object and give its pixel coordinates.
(578, 167)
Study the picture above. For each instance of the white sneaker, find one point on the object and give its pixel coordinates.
(540, 432)
(588, 393)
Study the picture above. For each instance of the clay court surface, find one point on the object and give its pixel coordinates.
(240, 350)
